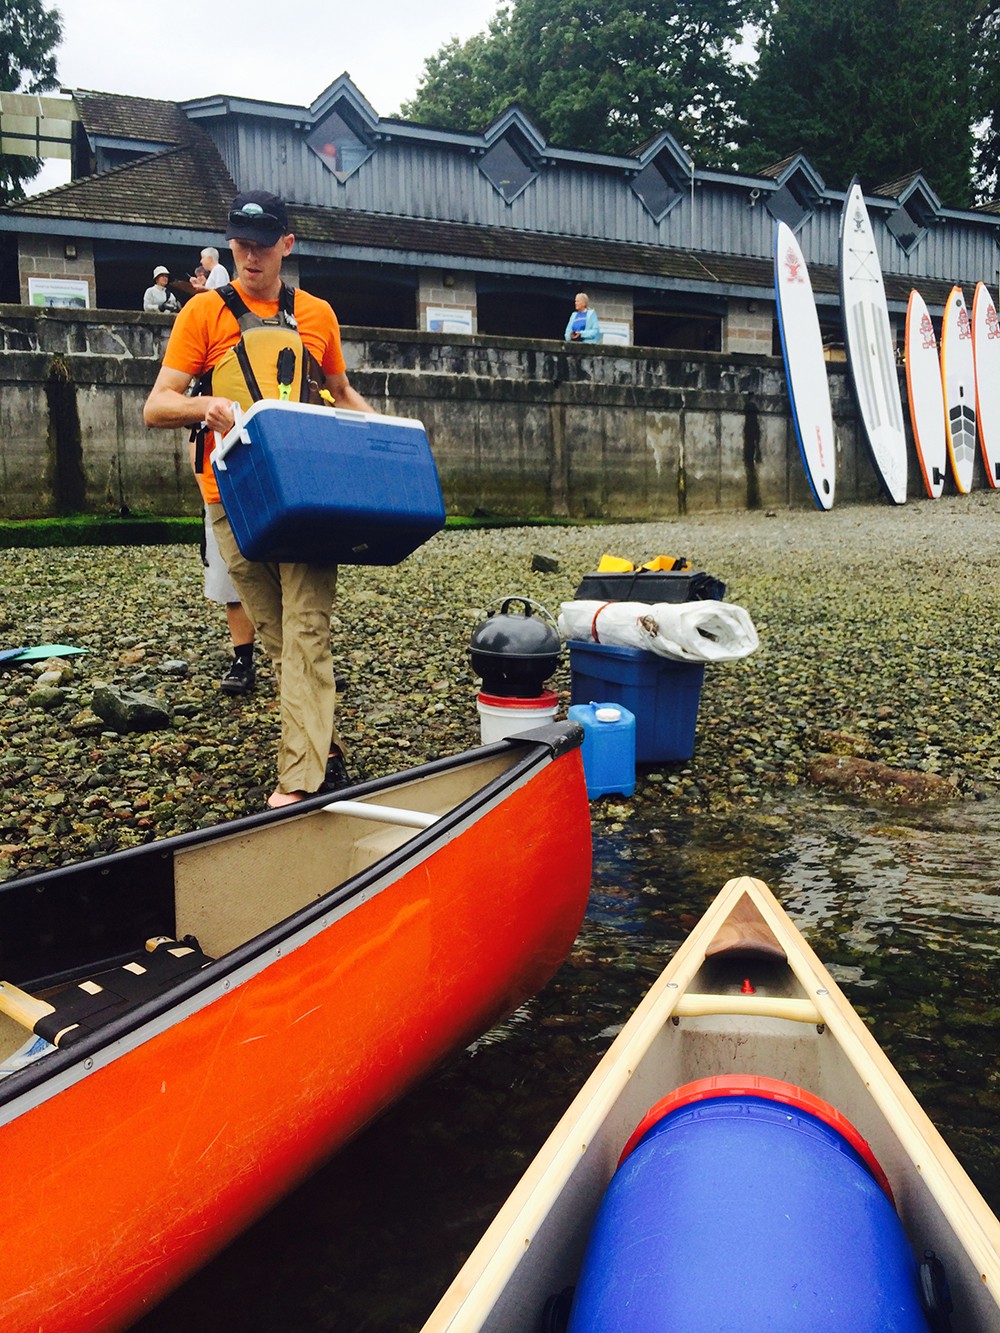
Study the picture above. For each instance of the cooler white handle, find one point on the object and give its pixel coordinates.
(238, 435)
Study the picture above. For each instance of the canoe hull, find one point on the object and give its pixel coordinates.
(800, 1029)
(149, 1156)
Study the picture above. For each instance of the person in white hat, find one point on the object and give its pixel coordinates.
(158, 297)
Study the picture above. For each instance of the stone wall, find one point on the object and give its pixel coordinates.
(517, 428)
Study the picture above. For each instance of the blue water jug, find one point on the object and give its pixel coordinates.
(608, 748)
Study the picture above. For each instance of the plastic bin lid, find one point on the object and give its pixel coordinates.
(768, 1089)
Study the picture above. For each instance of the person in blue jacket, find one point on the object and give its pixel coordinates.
(583, 326)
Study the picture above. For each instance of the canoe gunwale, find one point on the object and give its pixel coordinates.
(27, 1087)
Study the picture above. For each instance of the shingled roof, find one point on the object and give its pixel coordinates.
(182, 187)
(144, 118)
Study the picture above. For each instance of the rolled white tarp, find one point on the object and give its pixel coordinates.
(685, 631)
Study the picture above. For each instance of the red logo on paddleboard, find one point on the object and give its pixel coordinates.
(793, 266)
(819, 447)
(992, 323)
(964, 327)
(927, 332)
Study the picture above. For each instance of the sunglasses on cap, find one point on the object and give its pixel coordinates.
(254, 213)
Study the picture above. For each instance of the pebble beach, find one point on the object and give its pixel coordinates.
(878, 634)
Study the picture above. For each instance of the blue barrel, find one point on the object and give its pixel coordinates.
(738, 1213)
(608, 748)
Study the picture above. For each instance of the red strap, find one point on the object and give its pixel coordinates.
(593, 624)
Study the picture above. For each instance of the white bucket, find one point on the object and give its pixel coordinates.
(500, 717)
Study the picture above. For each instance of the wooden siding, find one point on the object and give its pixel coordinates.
(442, 182)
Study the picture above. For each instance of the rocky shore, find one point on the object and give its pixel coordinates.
(879, 645)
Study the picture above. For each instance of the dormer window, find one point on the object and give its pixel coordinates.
(905, 228)
(657, 192)
(799, 191)
(665, 177)
(506, 170)
(785, 207)
(338, 146)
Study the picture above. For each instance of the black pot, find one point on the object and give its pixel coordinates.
(515, 653)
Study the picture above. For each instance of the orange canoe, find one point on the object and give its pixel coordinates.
(304, 968)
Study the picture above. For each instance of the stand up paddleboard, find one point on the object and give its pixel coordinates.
(959, 374)
(805, 367)
(871, 354)
(986, 355)
(926, 395)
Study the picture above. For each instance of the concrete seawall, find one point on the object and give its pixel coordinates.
(518, 428)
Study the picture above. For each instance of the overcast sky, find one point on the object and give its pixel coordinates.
(279, 51)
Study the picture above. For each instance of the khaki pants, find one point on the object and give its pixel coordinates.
(290, 606)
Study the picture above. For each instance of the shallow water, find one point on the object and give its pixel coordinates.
(903, 906)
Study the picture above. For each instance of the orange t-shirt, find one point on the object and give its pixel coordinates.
(206, 329)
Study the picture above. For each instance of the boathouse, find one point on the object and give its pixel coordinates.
(452, 260)
(405, 226)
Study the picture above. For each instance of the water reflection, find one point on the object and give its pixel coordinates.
(904, 908)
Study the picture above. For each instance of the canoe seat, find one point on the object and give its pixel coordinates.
(89, 1005)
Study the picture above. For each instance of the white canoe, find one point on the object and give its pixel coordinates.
(693, 1023)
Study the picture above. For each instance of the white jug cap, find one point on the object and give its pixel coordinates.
(608, 715)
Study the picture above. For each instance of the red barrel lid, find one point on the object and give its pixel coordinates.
(547, 699)
(769, 1089)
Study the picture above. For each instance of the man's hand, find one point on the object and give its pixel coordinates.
(170, 405)
(218, 413)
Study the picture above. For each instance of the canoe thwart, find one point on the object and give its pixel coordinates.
(88, 1005)
(22, 1007)
(747, 1006)
(383, 814)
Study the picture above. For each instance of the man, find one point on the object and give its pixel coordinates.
(157, 298)
(289, 604)
(214, 276)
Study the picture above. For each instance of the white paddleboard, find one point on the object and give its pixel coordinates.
(871, 354)
(958, 372)
(986, 355)
(926, 395)
(805, 367)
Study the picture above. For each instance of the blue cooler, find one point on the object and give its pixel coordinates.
(608, 748)
(327, 486)
(745, 1204)
(662, 694)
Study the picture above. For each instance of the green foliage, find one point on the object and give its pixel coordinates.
(986, 80)
(29, 33)
(602, 77)
(874, 88)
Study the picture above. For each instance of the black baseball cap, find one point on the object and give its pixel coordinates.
(257, 216)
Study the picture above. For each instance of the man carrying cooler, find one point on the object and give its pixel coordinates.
(289, 604)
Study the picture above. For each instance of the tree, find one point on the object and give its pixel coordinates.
(874, 88)
(986, 80)
(29, 32)
(602, 76)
